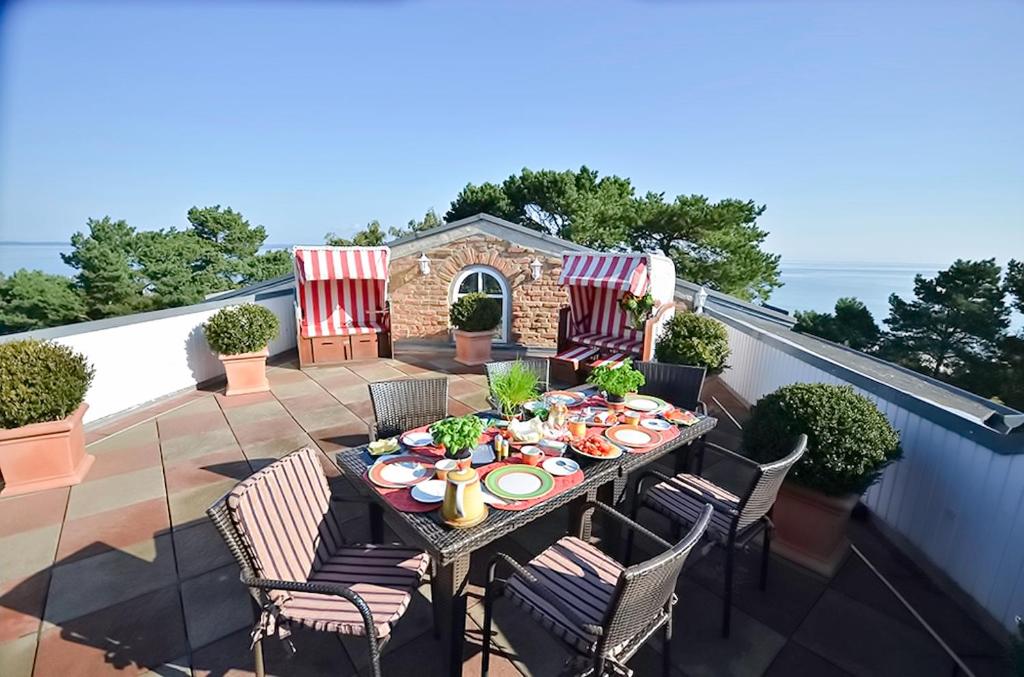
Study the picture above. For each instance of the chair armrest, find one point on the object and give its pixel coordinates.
(623, 520)
(534, 583)
(371, 430)
(318, 588)
(702, 408)
(728, 453)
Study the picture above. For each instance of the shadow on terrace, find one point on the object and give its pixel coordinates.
(123, 574)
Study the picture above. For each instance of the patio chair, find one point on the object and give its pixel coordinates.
(679, 384)
(407, 403)
(601, 610)
(282, 528)
(736, 520)
(537, 365)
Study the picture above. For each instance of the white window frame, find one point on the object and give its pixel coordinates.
(506, 295)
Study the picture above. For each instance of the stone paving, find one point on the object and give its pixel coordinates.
(124, 575)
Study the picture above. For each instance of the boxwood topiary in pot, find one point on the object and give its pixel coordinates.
(697, 340)
(42, 393)
(474, 316)
(849, 443)
(240, 335)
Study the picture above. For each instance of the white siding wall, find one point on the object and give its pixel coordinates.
(141, 361)
(959, 503)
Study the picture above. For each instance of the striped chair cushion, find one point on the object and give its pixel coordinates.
(580, 576)
(684, 497)
(614, 360)
(626, 344)
(384, 576)
(283, 513)
(576, 354)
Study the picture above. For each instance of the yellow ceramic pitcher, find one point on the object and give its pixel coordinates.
(463, 500)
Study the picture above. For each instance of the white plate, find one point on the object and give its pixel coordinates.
(655, 424)
(418, 439)
(404, 472)
(519, 483)
(642, 404)
(560, 466)
(431, 491)
(631, 437)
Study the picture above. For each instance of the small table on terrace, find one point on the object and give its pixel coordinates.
(452, 549)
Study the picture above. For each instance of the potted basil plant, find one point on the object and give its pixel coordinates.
(617, 381)
(458, 435)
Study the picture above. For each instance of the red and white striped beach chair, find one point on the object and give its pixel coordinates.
(596, 283)
(341, 307)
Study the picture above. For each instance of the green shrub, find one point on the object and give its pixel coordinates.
(849, 441)
(698, 340)
(241, 329)
(514, 388)
(457, 433)
(476, 312)
(617, 381)
(40, 381)
(1017, 648)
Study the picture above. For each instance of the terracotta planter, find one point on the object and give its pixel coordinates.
(472, 348)
(44, 455)
(246, 372)
(810, 527)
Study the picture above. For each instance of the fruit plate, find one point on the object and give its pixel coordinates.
(645, 404)
(400, 472)
(519, 482)
(613, 451)
(632, 436)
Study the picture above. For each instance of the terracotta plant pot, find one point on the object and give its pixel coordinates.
(472, 348)
(463, 459)
(810, 527)
(44, 455)
(615, 402)
(246, 372)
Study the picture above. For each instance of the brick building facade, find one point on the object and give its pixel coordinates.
(420, 303)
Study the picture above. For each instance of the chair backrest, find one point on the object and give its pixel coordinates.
(280, 515)
(537, 365)
(404, 404)
(644, 589)
(679, 384)
(766, 484)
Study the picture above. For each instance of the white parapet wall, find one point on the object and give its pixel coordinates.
(957, 495)
(141, 358)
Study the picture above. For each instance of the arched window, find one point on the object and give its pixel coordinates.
(489, 281)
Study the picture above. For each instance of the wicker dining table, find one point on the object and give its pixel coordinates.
(452, 549)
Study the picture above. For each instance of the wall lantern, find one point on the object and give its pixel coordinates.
(535, 269)
(424, 264)
(700, 297)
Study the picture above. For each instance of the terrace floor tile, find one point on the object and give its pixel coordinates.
(200, 548)
(21, 606)
(317, 654)
(353, 392)
(184, 449)
(16, 656)
(115, 491)
(216, 604)
(27, 552)
(190, 505)
(333, 414)
(246, 400)
(208, 469)
(113, 529)
(32, 511)
(119, 461)
(330, 439)
(796, 659)
(182, 426)
(127, 438)
(128, 638)
(87, 585)
(256, 413)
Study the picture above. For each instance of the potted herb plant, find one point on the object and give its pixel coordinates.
(42, 402)
(697, 340)
(474, 317)
(511, 390)
(240, 336)
(849, 442)
(617, 381)
(458, 435)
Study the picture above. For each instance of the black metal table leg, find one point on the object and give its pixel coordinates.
(451, 591)
(376, 523)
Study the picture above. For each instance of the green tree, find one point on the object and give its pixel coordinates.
(268, 265)
(233, 243)
(956, 320)
(1014, 283)
(430, 220)
(717, 243)
(713, 243)
(852, 324)
(371, 236)
(106, 274)
(176, 266)
(32, 299)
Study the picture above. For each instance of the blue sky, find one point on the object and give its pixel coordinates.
(873, 131)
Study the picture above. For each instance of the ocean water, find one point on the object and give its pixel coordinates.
(808, 285)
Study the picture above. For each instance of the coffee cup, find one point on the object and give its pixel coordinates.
(531, 455)
(443, 467)
(631, 418)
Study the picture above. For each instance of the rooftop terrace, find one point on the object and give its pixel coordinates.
(123, 574)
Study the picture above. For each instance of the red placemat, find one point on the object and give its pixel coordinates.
(561, 484)
(401, 499)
